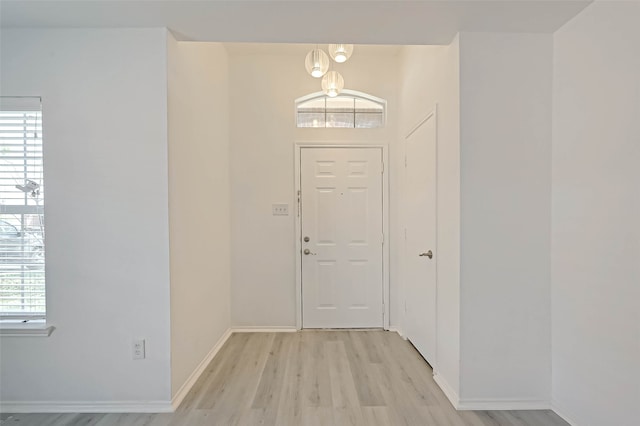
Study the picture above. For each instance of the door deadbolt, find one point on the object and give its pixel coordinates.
(429, 254)
(306, 239)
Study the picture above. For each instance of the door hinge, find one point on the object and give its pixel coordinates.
(383, 167)
(383, 238)
(299, 203)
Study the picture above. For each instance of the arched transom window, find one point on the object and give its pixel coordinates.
(350, 109)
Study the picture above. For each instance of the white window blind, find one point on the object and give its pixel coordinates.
(22, 278)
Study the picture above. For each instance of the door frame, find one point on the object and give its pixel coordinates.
(299, 146)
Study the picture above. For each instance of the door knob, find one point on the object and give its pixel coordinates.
(306, 239)
(307, 252)
(429, 254)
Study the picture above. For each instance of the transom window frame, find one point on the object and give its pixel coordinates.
(346, 93)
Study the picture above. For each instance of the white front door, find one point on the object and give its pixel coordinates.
(341, 224)
(420, 213)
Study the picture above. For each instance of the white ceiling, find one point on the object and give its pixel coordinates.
(300, 21)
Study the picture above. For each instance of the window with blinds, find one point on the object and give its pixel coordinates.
(350, 109)
(22, 278)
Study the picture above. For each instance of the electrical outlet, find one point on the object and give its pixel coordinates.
(280, 209)
(138, 349)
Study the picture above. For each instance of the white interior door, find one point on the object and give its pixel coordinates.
(420, 214)
(342, 237)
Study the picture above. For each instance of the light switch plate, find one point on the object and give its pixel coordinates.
(280, 209)
(138, 348)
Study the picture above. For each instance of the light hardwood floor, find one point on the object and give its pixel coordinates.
(310, 378)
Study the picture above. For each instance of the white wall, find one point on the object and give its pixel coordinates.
(596, 206)
(448, 320)
(104, 113)
(430, 76)
(263, 133)
(505, 113)
(198, 202)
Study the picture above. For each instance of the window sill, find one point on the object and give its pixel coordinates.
(12, 328)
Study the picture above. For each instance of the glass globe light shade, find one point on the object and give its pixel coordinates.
(332, 84)
(340, 52)
(317, 63)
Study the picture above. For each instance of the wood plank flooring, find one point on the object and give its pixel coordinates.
(310, 378)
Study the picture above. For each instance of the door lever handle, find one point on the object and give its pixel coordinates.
(429, 254)
(307, 252)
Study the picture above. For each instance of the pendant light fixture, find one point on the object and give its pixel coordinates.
(332, 84)
(317, 63)
(340, 52)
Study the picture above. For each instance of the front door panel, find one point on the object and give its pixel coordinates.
(341, 214)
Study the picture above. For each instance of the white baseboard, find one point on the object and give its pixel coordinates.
(399, 331)
(488, 404)
(86, 407)
(260, 329)
(193, 378)
(496, 404)
(451, 394)
(566, 415)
